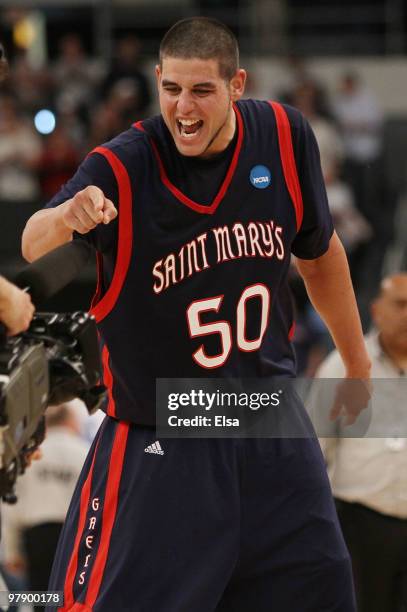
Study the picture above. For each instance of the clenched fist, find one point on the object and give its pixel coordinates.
(87, 209)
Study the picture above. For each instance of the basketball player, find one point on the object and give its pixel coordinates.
(195, 214)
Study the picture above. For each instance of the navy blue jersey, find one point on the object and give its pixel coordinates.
(192, 288)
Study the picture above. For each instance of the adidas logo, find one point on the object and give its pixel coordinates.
(154, 448)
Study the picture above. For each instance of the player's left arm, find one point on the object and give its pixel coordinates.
(329, 287)
(320, 256)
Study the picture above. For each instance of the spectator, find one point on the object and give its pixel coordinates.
(311, 338)
(104, 123)
(73, 124)
(75, 75)
(125, 72)
(352, 227)
(31, 527)
(123, 98)
(305, 98)
(19, 147)
(360, 119)
(32, 86)
(369, 476)
(296, 76)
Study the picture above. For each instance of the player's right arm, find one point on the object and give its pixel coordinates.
(52, 227)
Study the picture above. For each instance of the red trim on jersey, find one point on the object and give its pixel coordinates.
(99, 270)
(108, 381)
(73, 563)
(288, 159)
(139, 126)
(200, 208)
(291, 331)
(125, 236)
(109, 511)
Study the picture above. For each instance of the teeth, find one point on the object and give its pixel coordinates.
(188, 121)
(185, 125)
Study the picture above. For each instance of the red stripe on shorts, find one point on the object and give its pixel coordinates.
(288, 160)
(79, 607)
(109, 511)
(73, 563)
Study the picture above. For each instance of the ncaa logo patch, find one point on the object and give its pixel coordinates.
(260, 177)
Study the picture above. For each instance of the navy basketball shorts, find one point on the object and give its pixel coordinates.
(202, 525)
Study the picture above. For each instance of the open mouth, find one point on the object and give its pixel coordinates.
(188, 128)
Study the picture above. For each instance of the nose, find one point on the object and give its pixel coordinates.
(185, 104)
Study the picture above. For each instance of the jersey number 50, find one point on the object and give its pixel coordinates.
(224, 329)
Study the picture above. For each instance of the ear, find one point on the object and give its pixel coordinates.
(237, 84)
(158, 74)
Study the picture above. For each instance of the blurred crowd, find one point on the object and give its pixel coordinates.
(92, 101)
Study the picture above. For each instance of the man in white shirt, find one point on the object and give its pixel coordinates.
(369, 476)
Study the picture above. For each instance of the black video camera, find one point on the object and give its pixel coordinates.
(54, 361)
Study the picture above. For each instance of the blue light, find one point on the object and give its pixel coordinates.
(45, 121)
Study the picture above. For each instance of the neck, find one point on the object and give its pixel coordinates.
(223, 136)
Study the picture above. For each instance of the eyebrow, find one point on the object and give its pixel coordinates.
(206, 84)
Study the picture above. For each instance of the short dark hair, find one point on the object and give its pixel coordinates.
(202, 38)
